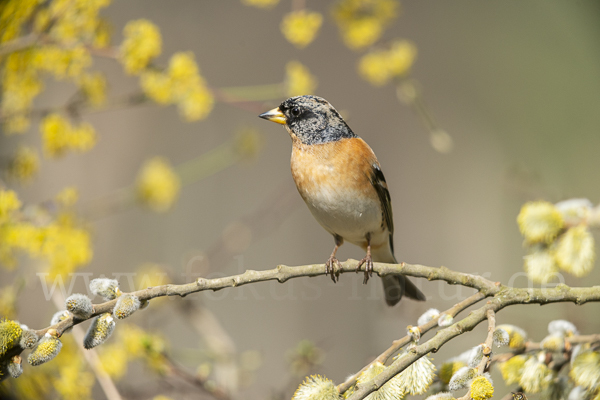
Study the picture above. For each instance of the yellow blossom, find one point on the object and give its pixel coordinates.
(553, 343)
(74, 382)
(93, 87)
(13, 15)
(180, 84)
(585, 371)
(188, 88)
(379, 66)
(361, 22)
(196, 104)
(68, 196)
(46, 349)
(448, 369)
(113, 359)
(157, 185)
(132, 338)
(512, 369)
(10, 333)
(316, 387)
(392, 389)
(183, 69)
(62, 62)
(103, 33)
(157, 86)
(78, 20)
(373, 67)
(9, 203)
(417, 377)
(261, 3)
(55, 131)
(576, 251)
(401, 57)
(541, 266)
(536, 375)
(301, 27)
(42, 20)
(362, 33)
(517, 336)
(19, 236)
(299, 81)
(141, 45)
(139, 343)
(21, 84)
(59, 136)
(25, 164)
(65, 247)
(540, 221)
(481, 388)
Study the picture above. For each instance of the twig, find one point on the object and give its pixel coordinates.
(487, 349)
(175, 370)
(398, 344)
(503, 298)
(218, 341)
(91, 356)
(20, 43)
(489, 341)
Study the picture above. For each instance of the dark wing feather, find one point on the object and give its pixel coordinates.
(380, 185)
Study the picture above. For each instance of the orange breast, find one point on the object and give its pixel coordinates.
(343, 165)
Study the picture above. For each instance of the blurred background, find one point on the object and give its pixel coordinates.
(511, 88)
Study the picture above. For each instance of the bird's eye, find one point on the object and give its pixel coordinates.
(296, 111)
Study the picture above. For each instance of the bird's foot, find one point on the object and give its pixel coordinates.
(333, 268)
(368, 263)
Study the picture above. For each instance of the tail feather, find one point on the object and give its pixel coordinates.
(396, 286)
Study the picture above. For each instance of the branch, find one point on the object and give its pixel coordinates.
(20, 43)
(398, 344)
(175, 370)
(487, 349)
(504, 297)
(489, 341)
(91, 357)
(284, 273)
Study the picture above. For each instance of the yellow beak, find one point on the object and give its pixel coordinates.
(275, 115)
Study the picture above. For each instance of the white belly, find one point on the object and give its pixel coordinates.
(343, 212)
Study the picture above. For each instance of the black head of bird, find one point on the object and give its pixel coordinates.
(310, 119)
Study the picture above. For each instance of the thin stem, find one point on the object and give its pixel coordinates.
(91, 356)
(18, 44)
(398, 344)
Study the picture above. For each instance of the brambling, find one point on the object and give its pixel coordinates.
(340, 180)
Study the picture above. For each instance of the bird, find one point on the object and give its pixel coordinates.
(340, 179)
